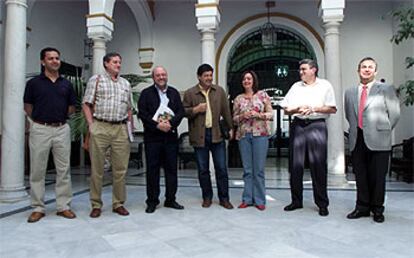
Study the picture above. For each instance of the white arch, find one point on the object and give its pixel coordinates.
(143, 18)
(253, 23)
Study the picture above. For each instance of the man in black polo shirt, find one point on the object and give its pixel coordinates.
(48, 100)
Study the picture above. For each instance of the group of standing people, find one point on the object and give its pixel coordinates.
(372, 110)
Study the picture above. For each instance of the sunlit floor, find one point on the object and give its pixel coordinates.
(213, 232)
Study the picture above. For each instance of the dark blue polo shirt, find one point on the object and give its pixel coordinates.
(50, 100)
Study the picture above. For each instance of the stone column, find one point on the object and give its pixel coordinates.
(208, 19)
(12, 147)
(99, 51)
(208, 47)
(336, 158)
(100, 28)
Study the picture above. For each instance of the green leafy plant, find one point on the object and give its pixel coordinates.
(134, 80)
(405, 31)
(77, 121)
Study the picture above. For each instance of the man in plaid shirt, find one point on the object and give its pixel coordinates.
(107, 109)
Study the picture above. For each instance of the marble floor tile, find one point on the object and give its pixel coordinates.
(213, 232)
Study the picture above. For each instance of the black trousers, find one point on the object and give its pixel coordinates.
(161, 154)
(308, 137)
(370, 168)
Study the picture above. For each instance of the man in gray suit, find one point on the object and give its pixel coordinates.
(372, 110)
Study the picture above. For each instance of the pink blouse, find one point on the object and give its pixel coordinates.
(259, 102)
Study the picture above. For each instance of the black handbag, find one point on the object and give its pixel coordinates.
(224, 129)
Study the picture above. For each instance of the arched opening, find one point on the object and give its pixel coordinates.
(277, 69)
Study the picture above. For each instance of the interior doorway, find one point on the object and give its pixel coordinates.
(277, 69)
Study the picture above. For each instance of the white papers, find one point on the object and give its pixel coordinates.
(129, 130)
(163, 112)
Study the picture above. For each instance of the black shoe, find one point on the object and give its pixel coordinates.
(323, 211)
(356, 214)
(379, 217)
(292, 207)
(174, 205)
(150, 209)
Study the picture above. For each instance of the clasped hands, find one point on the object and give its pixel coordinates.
(305, 110)
(252, 114)
(164, 125)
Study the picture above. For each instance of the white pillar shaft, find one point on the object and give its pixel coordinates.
(12, 154)
(208, 47)
(336, 159)
(99, 51)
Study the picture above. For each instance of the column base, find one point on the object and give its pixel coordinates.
(10, 195)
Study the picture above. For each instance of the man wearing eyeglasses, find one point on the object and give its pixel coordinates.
(310, 102)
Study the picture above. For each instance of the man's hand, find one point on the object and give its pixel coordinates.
(200, 108)
(164, 125)
(231, 134)
(305, 110)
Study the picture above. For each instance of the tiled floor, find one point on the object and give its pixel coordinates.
(213, 232)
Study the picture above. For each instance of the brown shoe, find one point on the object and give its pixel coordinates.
(96, 212)
(66, 214)
(121, 211)
(206, 203)
(35, 217)
(226, 204)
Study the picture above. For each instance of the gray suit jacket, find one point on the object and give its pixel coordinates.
(381, 113)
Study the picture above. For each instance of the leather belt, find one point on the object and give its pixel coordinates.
(111, 122)
(307, 121)
(50, 124)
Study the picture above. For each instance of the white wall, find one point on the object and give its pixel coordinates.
(177, 42)
(125, 38)
(366, 33)
(59, 24)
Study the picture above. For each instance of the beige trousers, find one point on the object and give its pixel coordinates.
(41, 140)
(104, 135)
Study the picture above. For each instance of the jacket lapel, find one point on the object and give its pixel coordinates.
(355, 99)
(373, 91)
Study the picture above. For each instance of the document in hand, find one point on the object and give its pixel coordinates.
(130, 131)
(163, 112)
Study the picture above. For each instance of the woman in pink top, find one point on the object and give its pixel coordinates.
(252, 112)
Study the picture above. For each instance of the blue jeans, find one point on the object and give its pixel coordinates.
(253, 151)
(218, 151)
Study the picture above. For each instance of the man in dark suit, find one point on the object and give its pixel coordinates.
(161, 111)
(372, 110)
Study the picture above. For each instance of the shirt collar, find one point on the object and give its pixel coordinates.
(110, 76)
(43, 76)
(314, 83)
(369, 85)
(161, 91)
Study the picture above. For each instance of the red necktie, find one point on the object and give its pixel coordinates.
(361, 107)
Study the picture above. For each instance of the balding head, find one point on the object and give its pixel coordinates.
(160, 76)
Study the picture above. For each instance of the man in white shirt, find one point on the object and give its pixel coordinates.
(309, 101)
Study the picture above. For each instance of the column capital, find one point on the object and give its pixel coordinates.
(146, 59)
(208, 16)
(333, 19)
(17, 2)
(100, 26)
(332, 10)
